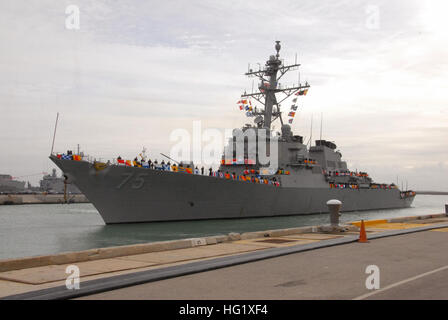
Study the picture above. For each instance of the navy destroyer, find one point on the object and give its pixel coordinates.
(300, 180)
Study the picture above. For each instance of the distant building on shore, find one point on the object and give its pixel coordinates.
(53, 183)
(50, 183)
(8, 184)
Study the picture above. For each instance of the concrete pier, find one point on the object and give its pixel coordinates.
(298, 263)
(40, 198)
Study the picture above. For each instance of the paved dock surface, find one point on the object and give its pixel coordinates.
(327, 273)
(412, 266)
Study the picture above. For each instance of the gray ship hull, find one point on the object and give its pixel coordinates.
(128, 194)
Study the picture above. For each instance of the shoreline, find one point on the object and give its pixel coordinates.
(432, 193)
(158, 246)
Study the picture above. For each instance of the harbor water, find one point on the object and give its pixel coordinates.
(41, 229)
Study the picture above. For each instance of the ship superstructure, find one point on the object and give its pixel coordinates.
(54, 184)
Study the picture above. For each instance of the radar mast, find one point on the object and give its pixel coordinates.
(269, 76)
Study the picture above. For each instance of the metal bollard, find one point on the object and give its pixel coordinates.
(334, 206)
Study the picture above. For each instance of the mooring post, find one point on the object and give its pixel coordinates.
(334, 206)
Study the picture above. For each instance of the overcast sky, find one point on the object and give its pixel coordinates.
(137, 70)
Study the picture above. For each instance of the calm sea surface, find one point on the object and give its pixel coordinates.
(30, 230)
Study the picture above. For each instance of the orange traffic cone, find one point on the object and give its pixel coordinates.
(362, 233)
